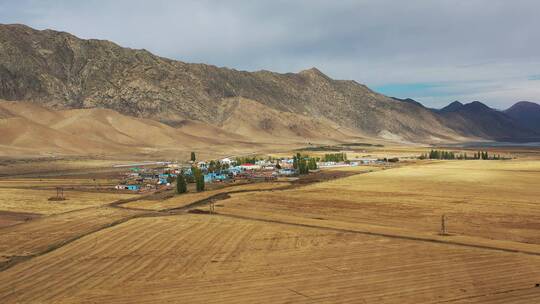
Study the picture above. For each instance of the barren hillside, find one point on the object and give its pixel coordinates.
(31, 129)
(60, 70)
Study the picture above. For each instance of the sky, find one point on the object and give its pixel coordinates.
(433, 51)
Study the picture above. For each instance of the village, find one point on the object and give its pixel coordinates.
(142, 177)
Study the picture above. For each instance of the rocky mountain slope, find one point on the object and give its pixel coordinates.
(62, 71)
(479, 120)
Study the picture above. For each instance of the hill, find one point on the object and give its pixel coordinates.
(452, 107)
(29, 129)
(479, 120)
(59, 70)
(526, 113)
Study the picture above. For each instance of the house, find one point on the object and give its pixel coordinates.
(133, 187)
(262, 162)
(128, 187)
(163, 181)
(210, 177)
(234, 170)
(226, 160)
(250, 167)
(287, 172)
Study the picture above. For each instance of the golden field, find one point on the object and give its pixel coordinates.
(214, 259)
(488, 199)
(356, 235)
(180, 201)
(36, 201)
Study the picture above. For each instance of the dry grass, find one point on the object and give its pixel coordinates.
(302, 245)
(179, 201)
(36, 201)
(44, 183)
(52, 165)
(44, 233)
(488, 199)
(212, 259)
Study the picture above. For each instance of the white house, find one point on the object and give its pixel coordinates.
(226, 160)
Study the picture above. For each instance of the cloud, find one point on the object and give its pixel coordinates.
(478, 46)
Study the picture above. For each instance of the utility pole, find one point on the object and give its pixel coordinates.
(444, 230)
(59, 193)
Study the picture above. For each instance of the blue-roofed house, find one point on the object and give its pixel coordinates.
(210, 177)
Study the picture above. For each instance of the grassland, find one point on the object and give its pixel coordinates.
(488, 199)
(36, 201)
(180, 201)
(361, 235)
(213, 259)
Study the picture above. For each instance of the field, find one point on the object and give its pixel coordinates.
(213, 259)
(488, 199)
(366, 235)
(191, 197)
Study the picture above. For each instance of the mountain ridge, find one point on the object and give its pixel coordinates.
(61, 71)
(526, 113)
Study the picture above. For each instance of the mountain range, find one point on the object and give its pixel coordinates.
(58, 71)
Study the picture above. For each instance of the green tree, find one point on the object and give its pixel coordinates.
(199, 179)
(312, 164)
(303, 166)
(193, 158)
(181, 185)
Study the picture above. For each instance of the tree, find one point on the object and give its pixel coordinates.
(193, 158)
(181, 185)
(199, 179)
(302, 164)
(212, 166)
(312, 164)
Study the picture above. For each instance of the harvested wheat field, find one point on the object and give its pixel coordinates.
(36, 201)
(180, 201)
(366, 235)
(487, 199)
(43, 234)
(215, 259)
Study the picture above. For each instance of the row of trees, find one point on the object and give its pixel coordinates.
(216, 166)
(485, 155)
(335, 157)
(304, 163)
(442, 154)
(246, 160)
(197, 177)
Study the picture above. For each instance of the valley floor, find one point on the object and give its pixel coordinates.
(370, 235)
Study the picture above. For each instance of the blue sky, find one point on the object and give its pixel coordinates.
(432, 51)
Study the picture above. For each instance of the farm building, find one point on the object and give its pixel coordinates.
(249, 167)
(211, 177)
(128, 187)
(287, 172)
(226, 160)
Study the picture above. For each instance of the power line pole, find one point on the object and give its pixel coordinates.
(444, 229)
